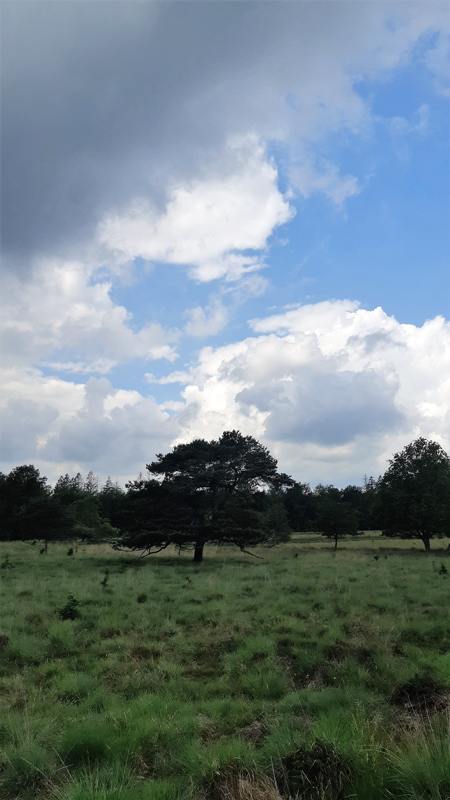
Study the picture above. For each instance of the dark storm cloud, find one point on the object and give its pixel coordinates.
(101, 99)
(108, 101)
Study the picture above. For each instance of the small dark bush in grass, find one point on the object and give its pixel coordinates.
(421, 694)
(6, 563)
(4, 639)
(443, 570)
(314, 773)
(70, 551)
(70, 609)
(105, 580)
(142, 598)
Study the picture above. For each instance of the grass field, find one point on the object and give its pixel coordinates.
(303, 675)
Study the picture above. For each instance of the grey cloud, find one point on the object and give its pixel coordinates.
(106, 101)
(122, 438)
(99, 98)
(327, 408)
(22, 422)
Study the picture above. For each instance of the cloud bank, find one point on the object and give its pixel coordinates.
(125, 111)
(332, 388)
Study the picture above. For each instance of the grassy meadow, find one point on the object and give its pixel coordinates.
(301, 675)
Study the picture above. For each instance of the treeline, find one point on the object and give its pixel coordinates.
(226, 491)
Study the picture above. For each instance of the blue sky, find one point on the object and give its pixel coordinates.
(198, 235)
(387, 246)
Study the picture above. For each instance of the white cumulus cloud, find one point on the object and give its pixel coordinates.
(332, 388)
(218, 225)
(64, 316)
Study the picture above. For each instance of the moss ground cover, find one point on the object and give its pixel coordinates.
(300, 675)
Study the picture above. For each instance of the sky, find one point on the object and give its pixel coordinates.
(224, 215)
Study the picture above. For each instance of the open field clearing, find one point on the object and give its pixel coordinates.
(301, 675)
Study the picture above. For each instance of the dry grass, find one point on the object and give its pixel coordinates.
(240, 786)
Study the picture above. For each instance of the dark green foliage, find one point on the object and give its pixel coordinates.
(6, 563)
(301, 507)
(69, 488)
(111, 499)
(70, 609)
(335, 516)
(27, 507)
(105, 579)
(414, 493)
(305, 508)
(225, 491)
(84, 507)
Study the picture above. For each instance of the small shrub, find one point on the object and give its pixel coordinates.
(421, 694)
(70, 609)
(314, 773)
(142, 598)
(104, 581)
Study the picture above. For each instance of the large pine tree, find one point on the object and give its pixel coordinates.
(223, 491)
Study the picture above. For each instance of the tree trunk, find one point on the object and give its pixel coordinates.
(198, 551)
(426, 542)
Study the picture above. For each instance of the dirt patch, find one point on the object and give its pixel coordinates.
(422, 694)
(110, 633)
(341, 650)
(255, 732)
(239, 786)
(286, 654)
(208, 657)
(142, 653)
(313, 774)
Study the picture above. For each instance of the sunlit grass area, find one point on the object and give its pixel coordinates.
(301, 674)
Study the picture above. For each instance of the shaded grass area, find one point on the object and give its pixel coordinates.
(303, 675)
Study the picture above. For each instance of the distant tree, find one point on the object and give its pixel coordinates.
(28, 510)
(111, 501)
(414, 493)
(91, 484)
(301, 507)
(370, 518)
(335, 516)
(69, 488)
(82, 502)
(217, 491)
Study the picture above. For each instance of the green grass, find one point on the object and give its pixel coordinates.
(238, 679)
